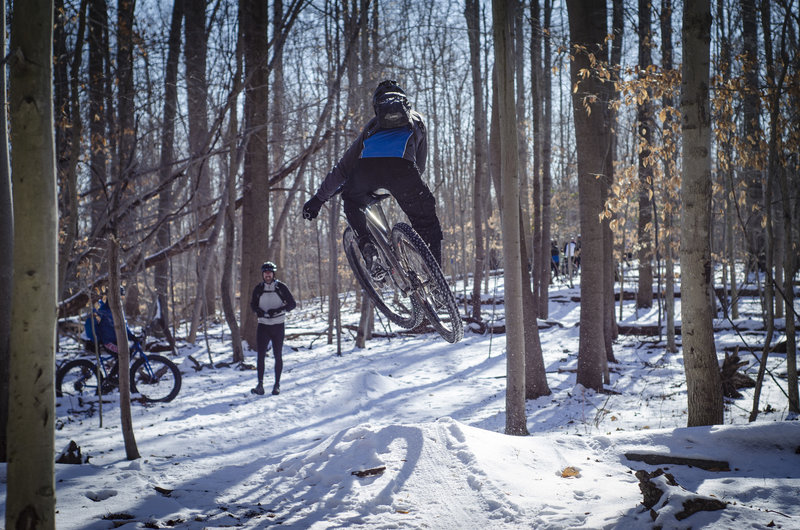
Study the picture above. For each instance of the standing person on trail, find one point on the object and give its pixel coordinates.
(270, 301)
(390, 153)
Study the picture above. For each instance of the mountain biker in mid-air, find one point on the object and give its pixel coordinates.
(390, 153)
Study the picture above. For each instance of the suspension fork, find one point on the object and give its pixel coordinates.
(378, 225)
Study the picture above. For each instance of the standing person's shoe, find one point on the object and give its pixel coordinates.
(259, 390)
(275, 389)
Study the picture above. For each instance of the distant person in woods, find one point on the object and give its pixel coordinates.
(103, 325)
(390, 153)
(554, 258)
(270, 301)
(569, 256)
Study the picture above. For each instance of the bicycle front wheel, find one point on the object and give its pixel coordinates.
(155, 378)
(398, 306)
(437, 301)
(77, 378)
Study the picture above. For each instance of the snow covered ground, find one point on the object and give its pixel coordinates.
(422, 421)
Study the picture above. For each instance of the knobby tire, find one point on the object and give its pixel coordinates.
(398, 307)
(159, 384)
(77, 378)
(436, 298)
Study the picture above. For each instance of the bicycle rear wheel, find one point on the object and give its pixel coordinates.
(437, 300)
(399, 307)
(77, 378)
(155, 378)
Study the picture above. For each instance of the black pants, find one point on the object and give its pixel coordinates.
(266, 333)
(402, 179)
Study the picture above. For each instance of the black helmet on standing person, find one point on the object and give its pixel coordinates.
(269, 266)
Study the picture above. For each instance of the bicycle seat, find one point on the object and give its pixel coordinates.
(375, 197)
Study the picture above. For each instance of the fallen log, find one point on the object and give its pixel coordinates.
(656, 459)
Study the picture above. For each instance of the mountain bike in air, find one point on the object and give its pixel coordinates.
(412, 287)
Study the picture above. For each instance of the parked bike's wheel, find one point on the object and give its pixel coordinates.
(399, 307)
(77, 378)
(155, 378)
(437, 301)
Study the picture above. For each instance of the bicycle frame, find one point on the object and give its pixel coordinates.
(105, 358)
(378, 225)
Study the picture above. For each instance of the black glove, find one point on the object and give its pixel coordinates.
(311, 208)
(261, 313)
(276, 311)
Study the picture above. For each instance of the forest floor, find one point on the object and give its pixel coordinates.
(408, 433)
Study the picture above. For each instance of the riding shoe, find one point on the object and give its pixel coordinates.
(370, 254)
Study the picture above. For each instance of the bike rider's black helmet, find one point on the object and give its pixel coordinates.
(268, 266)
(386, 87)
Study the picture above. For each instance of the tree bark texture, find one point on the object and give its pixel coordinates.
(6, 249)
(699, 353)
(124, 352)
(516, 422)
(751, 108)
(161, 275)
(644, 119)
(587, 21)
(255, 204)
(480, 181)
(30, 500)
(195, 55)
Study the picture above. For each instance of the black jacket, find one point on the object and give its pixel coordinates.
(416, 151)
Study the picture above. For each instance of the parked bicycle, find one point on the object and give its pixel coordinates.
(413, 287)
(153, 377)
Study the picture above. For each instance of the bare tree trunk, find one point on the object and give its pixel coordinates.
(610, 322)
(480, 180)
(587, 21)
(124, 353)
(68, 138)
(125, 96)
(195, 53)
(516, 423)
(277, 115)
(204, 267)
(161, 276)
(644, 297)
(540, 265)
(547, 181)
(699, 353)
(6, 249)
(98, 131)
(255, 205)
(751, 137)
(670, 168)
(334, 315)
(522, 145)
(30, 499)
(535, 375)
(234, 161)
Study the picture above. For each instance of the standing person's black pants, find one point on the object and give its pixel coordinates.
(266, 333)
(401, 177)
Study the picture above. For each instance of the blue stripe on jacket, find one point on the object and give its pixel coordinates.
(387, 143)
